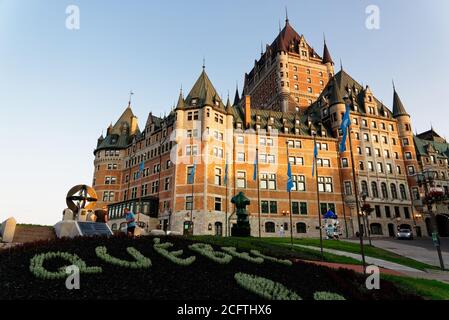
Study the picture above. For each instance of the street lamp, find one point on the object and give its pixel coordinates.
(433, 195)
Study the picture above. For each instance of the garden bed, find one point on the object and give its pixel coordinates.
(164, 279)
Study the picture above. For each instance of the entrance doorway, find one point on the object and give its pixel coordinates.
(218, 229)
(418, 232)
(391, 230)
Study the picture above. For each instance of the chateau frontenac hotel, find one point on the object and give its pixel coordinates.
(183, 169)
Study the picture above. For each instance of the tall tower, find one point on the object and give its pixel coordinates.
(109, 155)
(406, 136)
(290, 75)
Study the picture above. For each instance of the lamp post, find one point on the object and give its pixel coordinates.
(433, 195)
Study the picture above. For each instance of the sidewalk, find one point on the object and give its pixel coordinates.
(397, 269)
(378, 262)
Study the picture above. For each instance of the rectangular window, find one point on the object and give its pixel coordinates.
(344, 163)
(241, 156)
(190, 176)
(240, 140)
(217, 206)
(167, 184)
(189, 203)
(325, 184)
(241, 179)
(348, 188)
(299, 183)
(377, 209)
(387, 212)
(406, 213)
(218, 176)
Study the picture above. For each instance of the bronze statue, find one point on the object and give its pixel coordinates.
(242, 227)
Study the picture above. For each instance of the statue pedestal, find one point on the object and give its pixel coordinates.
(240, 230)
(242, 227)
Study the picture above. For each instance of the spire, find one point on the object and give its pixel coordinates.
(398, 107)
(204, 64)
(286, 15)
(341, 65)
(237, 97)
(326, 54)
(229, 107)
(180, 104)
(131, 93)
(335, 97)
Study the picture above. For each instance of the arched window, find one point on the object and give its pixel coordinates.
(270, 227)
(376, 229)
(394, 191)
(365, 187)
(301, 227)
(403, 192)
(383, 186)
(374, 190)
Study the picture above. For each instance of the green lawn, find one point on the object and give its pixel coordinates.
(355, 248)
(428, 289)
(273, 249)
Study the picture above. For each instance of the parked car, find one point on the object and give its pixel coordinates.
(405, 234)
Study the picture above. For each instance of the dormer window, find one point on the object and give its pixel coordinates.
(217, 103)
(258, 118)
(356, 108)
(194, 102)
(270, 128)
(271, 119)
(239, 125)
(285, 130)
(297, 121)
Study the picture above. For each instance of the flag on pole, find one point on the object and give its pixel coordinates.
(192, 174)
(345, 123)
(315, 156)
(141, 168)
(225, 180)
(289, 175)
(256, 164)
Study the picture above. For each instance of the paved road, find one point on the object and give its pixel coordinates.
(420, 250)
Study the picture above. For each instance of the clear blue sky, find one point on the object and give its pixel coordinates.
(59, 88)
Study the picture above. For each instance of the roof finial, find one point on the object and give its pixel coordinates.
(341, 65)
(204, 63)
(324, 37)
(394, 87)
(286, 15)
(130, 98)
(279, 23)
(261, 48)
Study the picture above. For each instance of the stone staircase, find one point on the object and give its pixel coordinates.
(25, 234)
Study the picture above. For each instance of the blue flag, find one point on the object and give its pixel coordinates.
(289, 175)
(225, 180)
(315, 156)
(256, 165)
(142, 166)
(192, 174)
(345, 123)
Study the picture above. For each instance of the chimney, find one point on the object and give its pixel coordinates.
(247, 109)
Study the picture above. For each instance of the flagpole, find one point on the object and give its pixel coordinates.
(258, 187)
(318, 194)
(142, 167)
(227, 182)
(290, 197)
(362, 251)
(193, 201)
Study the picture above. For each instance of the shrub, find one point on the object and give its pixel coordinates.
(173, 256)
(37, 265)
(281, 261)
(141, 262)
(265, 288)
(207, 251)
(242, 255)
(325, 295)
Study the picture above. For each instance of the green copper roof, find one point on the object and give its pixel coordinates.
(204, 93)
(422, 146)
